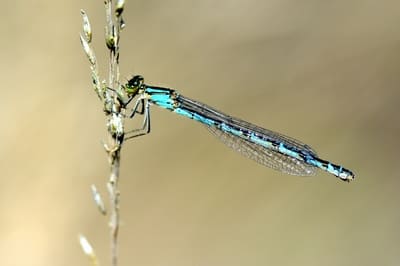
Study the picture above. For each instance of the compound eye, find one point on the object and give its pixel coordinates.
(136, 81)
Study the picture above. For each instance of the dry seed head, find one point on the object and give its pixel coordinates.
(87, 30)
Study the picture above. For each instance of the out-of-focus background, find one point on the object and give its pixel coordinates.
(325, 72)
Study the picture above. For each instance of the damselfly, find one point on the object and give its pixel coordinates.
(264, 146)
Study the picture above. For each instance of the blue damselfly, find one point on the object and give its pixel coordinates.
(264, 146)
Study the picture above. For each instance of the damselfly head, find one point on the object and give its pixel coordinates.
(134, 85)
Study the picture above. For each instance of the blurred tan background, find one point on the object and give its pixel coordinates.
(325, 72)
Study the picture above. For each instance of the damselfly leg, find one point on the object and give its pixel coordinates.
(145, 111)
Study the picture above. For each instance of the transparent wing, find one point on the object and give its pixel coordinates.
(264, 156)
(273, 135)
(208, 111)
